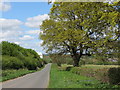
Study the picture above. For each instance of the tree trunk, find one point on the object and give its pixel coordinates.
(76, 60)
(76, 63)
(76, 57)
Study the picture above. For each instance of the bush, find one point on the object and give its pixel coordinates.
(65, 68)
(44, 61)
(39, 63)
(11, 63)
(30, 63)
(70, 62)
(82, 62)
(47, 59)
(114, 75)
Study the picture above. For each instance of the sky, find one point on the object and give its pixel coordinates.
(21, 23)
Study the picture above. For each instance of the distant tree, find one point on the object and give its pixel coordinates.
(57, 58)
(79, 28)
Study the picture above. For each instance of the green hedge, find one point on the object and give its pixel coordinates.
(105, 75)
(114, 75)
(16, 57)
(30, 64)
(11, 62)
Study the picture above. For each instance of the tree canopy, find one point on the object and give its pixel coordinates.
(81, 28)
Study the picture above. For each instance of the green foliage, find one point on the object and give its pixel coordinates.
(47, 58)
(16, 57)
(81, 28)
(15, 50)
(114, 75)
(65, 68)
(30, 63)
(11, 63)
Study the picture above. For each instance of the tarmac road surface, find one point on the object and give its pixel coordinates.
(38, 79)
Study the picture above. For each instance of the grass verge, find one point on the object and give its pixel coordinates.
(66, 79)
(11, 74)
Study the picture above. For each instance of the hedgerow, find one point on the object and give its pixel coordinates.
(16, 57)
(105, 75)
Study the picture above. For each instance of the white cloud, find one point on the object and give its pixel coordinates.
(17, 43)
(35, 32)
(4, 6)
(11, 29)
(10, 34)
(26, 37)
(35, 22)
(33, 44)
(10, 24)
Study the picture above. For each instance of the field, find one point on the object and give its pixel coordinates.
(67, 79)
(101, 66)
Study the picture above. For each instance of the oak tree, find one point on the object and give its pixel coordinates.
(79, 28)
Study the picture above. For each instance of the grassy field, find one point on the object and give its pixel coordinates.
(11, 74)
(101, 66)
(66, 79)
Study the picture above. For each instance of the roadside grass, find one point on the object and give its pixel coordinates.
(66, 79)
(11, 74)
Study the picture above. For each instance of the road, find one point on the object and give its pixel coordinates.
(38, 79)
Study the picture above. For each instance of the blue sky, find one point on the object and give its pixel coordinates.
(20, 23)
(23, 10)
